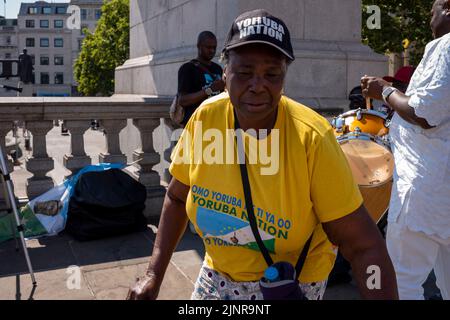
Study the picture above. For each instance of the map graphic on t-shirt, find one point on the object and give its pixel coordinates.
(231, 230)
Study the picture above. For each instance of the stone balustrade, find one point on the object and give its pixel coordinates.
(146, 113)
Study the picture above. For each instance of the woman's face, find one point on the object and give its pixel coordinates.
(255, 77)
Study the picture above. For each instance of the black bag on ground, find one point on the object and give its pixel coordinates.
(106, 204)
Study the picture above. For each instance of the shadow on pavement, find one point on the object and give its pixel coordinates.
(63, 251)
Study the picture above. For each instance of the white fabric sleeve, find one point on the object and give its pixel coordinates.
(432, 100)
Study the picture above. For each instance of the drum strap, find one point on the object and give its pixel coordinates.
(250, 211)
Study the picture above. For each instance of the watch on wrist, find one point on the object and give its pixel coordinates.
(387, 92)
(209, 91)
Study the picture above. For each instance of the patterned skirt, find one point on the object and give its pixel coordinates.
(211, 285)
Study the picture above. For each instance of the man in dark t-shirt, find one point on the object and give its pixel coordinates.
(200, 78)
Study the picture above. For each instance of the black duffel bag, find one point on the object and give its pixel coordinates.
(106, 204)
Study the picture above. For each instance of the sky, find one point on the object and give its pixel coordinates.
(13, 6)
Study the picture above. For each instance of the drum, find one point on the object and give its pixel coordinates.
(372, 165)
(367, 121)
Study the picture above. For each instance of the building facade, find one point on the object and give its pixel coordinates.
(43, 32)
(8, 38)
(41, 27)
(8, 51)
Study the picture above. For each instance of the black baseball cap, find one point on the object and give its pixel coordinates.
(259, 26)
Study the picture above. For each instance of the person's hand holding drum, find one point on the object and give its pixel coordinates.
(372, 87)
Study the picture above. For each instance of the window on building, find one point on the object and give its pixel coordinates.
(59, 24)
(80, 44)
(45, 43)
(61, 10)
(45, 78)
(32, 10)
(59, 42)
(29, 42)
(98, 14)
(29, 23)
(46, 10)
(8, 40)
(45, 61)
(59, 78)
(84, 14)
(7, 55)
(59, 60)
(44, 23)
(33, 60)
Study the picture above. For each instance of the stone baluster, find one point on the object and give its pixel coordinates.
(148, 158)
(112, 153)
(5, 127)
(167, 153)
(77, 159)
(39, 163)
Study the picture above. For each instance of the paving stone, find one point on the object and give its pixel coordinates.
(45, 254)
(112, 294)
(113, 250)
(175, 285)
(113, 284)
(51, 285)
(189, 262)
(188, 256)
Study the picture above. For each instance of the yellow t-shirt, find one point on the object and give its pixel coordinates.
(311, 183)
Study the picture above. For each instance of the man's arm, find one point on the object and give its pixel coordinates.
(200, 96)
(171, 228)
(398, 101)
(361, 243)
(189, 99)
(186, 82)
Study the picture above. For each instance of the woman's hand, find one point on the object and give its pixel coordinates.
(146, 288)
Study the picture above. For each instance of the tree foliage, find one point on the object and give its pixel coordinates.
(104, 50)
(400, 19)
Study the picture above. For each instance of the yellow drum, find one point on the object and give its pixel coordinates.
(366, 121)
(372, 165)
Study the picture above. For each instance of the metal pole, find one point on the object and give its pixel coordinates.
(7, 183)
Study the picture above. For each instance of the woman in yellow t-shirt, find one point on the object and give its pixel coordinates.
(300, 186)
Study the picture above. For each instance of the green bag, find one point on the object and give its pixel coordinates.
(32, 225)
